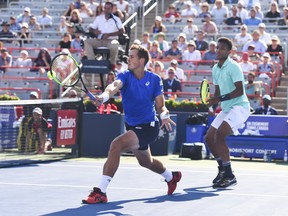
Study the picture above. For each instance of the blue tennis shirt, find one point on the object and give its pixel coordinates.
(138, 97)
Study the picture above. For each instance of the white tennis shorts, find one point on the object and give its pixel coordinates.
(236, 117)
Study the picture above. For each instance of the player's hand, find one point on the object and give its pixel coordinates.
(167, 123)
(98, 101)
(213, 100)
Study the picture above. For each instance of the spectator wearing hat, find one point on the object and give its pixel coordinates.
(179, 5)
(163, 44)
(171, 15)
(204, 10)
(171, 84)
(209, 26)
(210, 55)
(254, 56)
(219, 12)
(245, 64)
(201, 44)
(242, 37)
(158, 26)
(34, 95)
(5, 60)
(190, 29)
(24, 60)
(275, 49)
(266, 108)
(182, 43)
(34, 24)
(191, 56)
(266, 67)
(6, 33)
(242, 12)
(146, 42)
(259, 13)
(178, 71)
(283, 22)
(189, 11)
(13, 25)
(234, 19)
(260, 45)
(24, 35)
(252, 20)
(119, 67)
(174, 52)
(274, 13)
(155, 51)
(25, 16)
(265, 36)
(45, 19)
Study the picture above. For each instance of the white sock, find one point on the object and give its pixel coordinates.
(167, 174)
(105, 180)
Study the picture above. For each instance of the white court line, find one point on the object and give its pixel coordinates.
(222, 192)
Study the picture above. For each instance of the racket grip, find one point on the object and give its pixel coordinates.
(91, 96)
(211, 109)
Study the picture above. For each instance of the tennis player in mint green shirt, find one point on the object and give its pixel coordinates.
(228, 79)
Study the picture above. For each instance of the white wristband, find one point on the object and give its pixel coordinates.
(164, 115)
(105, 97)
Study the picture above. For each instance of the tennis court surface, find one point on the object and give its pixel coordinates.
(57, 188)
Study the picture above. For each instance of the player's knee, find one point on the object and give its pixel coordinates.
(115, 147)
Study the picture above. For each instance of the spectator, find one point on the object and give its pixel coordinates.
(171, 84)
(42, 61)
(85, 11)
(190, 29)
(182, 44)
(265, 36)
(252, 20)
(34, 24)
(234, 19)
(254, 56)
(24, 35)
(65, 43)
(274, 49)
(179, 5)
(5, 60)
(163, 44)
(242, 37)
(75, 17)
(234, 55)
(146, 42)
(119, 67)
(197, 5)
(178, 71)
(219, 12)
(13, 25)
(155, 51)
(209, 26)
(204, 10)
(77, 4)
(172, 15)
(158, 68)
(260, 45)
(252, 88)
(68, 12)
(45, 20)
(117, 12)
(246, 65)
(191, 56)
(201, 44)
(274, 13)
(242, 12)
(266, 67)
(123, 6)
(6, 33)
(250, 3)
(259, 13)
(23, 60)
(63, 26)
(189, 11)
(266, 108)
(210, 55)
(174, 52)
(158, 26)
(106, 27)
(284, 20)
(25, 16)
(77, 43)
(93, 6)
(110, 78)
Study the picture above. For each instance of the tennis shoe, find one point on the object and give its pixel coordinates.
(219, 176)
(225, 182)
(173, 183)
(96, 196)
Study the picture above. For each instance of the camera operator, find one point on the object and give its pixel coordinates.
(105, 31)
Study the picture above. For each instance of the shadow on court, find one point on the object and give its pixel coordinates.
(111, 208)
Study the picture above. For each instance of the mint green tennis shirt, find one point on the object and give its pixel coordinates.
(225, 77)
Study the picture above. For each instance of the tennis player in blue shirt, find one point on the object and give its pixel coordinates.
(228, 79)
(142, 94)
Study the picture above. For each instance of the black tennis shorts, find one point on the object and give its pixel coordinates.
(146, 133)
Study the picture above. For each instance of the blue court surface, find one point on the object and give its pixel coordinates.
(57, 188)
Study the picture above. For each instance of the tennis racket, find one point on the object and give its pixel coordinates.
(66, 71)
(205, 93)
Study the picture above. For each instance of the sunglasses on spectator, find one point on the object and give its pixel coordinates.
(157, 65)
(170, 72)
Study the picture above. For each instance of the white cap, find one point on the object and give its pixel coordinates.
(213, 43)
(267, 97)
(262, 25)
(266, 54)
(27, 9)
(174, 61)
(35, 94)
(137, 41)
(38, 110)
(65, 51)
(24, 52)
(25, 25)
(158, 18)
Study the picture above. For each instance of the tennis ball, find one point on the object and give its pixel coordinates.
(51, 75)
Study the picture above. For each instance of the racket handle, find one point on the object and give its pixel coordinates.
(211, 109)
(91, 96)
